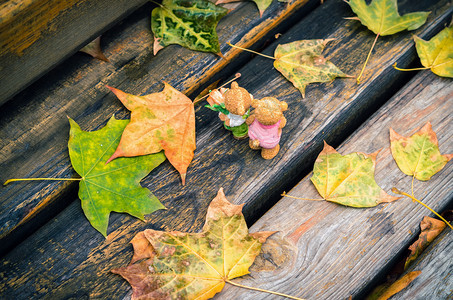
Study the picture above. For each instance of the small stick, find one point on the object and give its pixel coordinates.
(245, 49)
(261, 290)
(397, 191)
(236, 76)
(30, 179)
(366, 61)
(284, 194)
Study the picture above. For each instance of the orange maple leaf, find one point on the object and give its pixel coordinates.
(159, 121)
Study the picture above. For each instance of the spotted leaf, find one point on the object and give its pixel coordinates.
(348, 179)
(301, 63)
(194, 265)
(418, 155)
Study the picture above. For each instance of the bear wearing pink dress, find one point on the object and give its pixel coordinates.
(265, 125)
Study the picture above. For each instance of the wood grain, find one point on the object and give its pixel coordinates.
(436, 264)
(35, 35)
(34, 126)
(69, 259)
(328, 251)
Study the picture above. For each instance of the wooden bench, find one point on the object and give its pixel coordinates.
(322, 251)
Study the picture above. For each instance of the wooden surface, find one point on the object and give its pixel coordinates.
(327, 251)
(436, 265)
(66, 258)
(36, 35)
(34, 126)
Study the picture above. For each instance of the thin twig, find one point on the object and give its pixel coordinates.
(396, 191)
(366, 61)
(245, 49)
(284, 194)
(30, 179)
(261, 290)
(236, 76)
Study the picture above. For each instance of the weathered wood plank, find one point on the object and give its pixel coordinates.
(436, 263)
(72, 259)
(34, 127)
(327, 251)
(35, 35)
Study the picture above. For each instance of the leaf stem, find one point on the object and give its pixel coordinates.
(245, 49)
(236, 76)
(30, 179)
(284, 194)
(396, 191)
(407, 70)
(366, 61)
(261, 290)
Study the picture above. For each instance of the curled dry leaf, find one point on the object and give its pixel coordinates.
(430, 228)
(94, 49)
(399, 285)
(349, 179)
(418, 155)
(179, 265)
(110, 187)
(159, 121)
(301, 62)
(189, 23)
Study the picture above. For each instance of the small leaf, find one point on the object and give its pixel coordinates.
(261, 4)
(94, 49)
(430, 228)
(301, 63)
(382, 17)
(159, 121)
(194, 265)
(349, 179)
(437, 53)
(110, 187)
(418, 155)
(189, 23)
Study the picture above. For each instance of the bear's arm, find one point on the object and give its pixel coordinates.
(250, 120)
(282, 122)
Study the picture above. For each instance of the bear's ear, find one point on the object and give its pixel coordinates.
(283, 105)
(255, 103)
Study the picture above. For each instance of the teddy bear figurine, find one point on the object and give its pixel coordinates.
(265, 125)
(233, 106)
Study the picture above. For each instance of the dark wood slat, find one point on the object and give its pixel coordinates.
(436, 264)
(36, 35)
(75, 261)
(327, 251)
(34, 126)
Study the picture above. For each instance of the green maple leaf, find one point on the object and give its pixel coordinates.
(114, 186)
(382, 17)
(349, 179)
(189, 23)
(301, 63)
(437, 53)
(418, 155)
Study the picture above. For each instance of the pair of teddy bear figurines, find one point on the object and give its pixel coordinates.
(263, 126)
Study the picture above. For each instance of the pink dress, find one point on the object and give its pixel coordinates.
(268, 135)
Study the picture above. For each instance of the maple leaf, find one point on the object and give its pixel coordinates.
(301, 63)
(431, 228)
(437, 53)
(349, 179)
(159, 121)
(183, 265)
(261, 4)
(382, 17)
(94, 49)
(418, 155)
(110, 187)
(189, 23)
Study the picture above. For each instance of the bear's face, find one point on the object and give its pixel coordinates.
(269, 110)
(237, 100)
